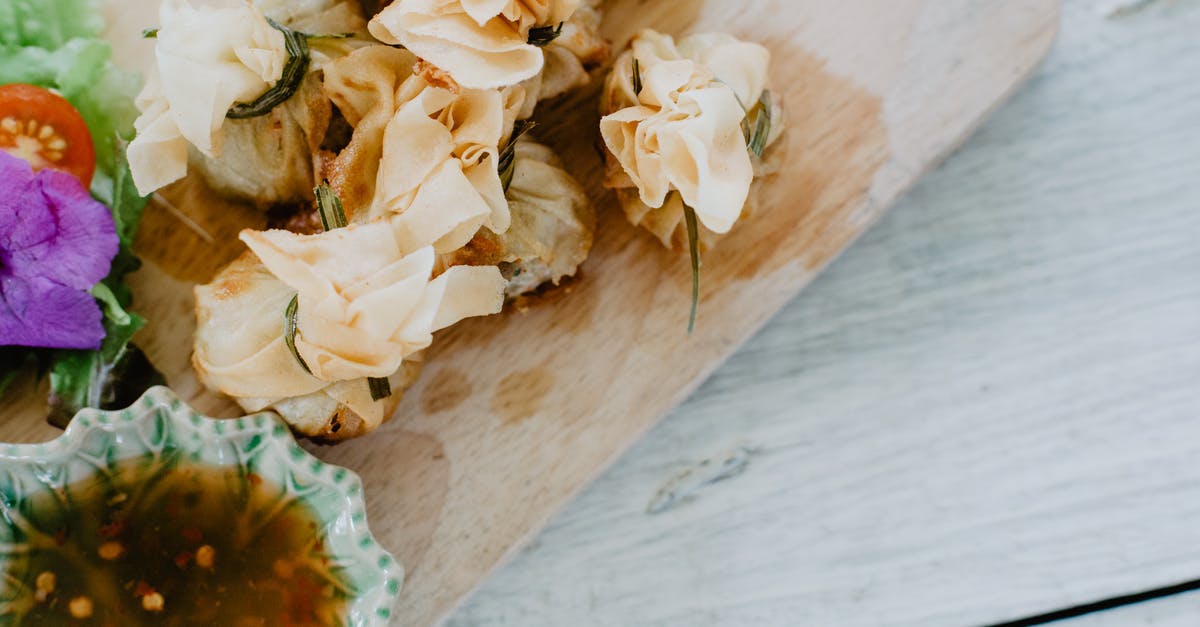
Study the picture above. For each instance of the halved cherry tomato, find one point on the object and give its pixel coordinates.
(42, 128)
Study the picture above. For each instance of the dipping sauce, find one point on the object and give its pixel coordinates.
(160, 542)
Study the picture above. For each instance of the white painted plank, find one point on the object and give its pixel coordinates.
(479, 458)
(987, 409)
(1177, 611)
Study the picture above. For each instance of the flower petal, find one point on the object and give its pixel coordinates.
(80, 253)
(50, 227)
(23, 222)
(39, 312)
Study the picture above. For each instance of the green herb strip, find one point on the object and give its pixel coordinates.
(543, 35)
(506, 165)
(150, 33)
(311, 36)
(289, 331)
(756, 126)
(637, 77)
(294, 71)
(380, 388)
(693, 233)
(333, 216)
(329, 206)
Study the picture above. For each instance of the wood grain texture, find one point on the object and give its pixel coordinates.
(517, 413)
(987, 409)
(492, 479)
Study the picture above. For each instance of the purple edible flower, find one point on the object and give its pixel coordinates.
(56, 242)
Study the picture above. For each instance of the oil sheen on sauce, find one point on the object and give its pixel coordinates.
(172, 544)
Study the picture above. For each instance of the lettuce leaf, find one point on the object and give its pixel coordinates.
(110, 378)
(55, 44)
(117, 374)
(47, 23)
(79, 67)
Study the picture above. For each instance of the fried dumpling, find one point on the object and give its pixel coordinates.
(239, 338)
(423, 148)
(239, 324)
(480, 43)
(362, 305)
(677, 126)
(264, 160)
(195, 80)
(268, 160)
(577, 49)
(553, 224)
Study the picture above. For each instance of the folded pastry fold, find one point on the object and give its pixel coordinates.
(240, 350)
(439, 162)
(678, 121)
(574, 52)
(481, 43)
(363, 305)
(553, 225)
(423, 148)
(211, 55)
(309, 324)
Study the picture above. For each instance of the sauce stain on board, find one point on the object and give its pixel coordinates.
(835, 142)
(421, 485)
(803, 210)
(445, 391)
(520, 394)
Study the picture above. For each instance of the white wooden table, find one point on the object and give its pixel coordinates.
(988, 408)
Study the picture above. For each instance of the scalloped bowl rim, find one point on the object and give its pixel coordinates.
(347, 530)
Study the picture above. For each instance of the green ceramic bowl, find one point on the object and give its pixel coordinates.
(162, 434)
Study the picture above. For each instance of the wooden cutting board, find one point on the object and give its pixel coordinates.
(516, 413)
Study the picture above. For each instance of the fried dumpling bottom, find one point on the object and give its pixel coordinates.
(667, 222)
(323, 417)
(239, 351)
(268, 160)
(552, 230)
(240, 313)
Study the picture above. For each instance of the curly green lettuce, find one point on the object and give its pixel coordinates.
(56, 44)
